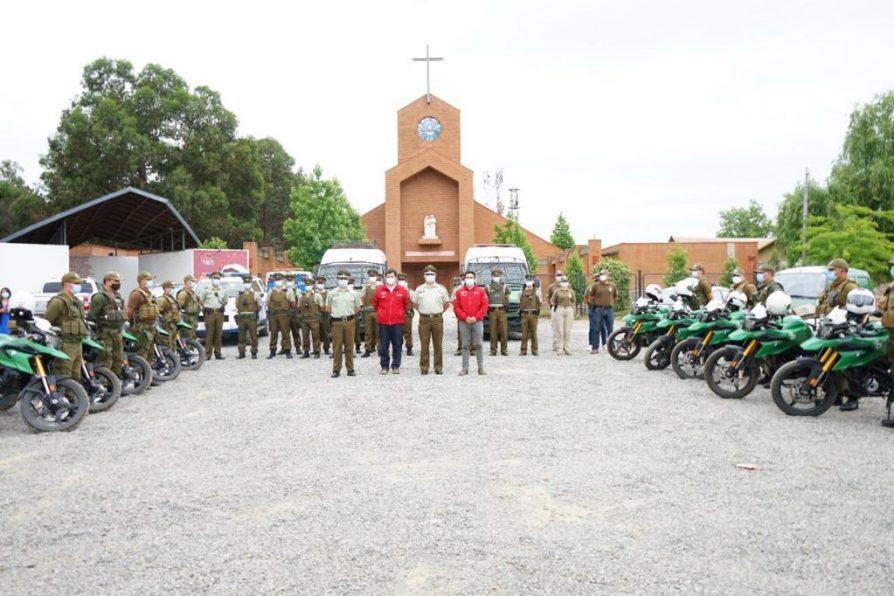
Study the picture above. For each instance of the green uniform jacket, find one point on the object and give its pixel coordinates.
(835, 295)
(67, 314)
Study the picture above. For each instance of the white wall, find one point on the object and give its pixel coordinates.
(25, 267)
(168, 265)
(127, 268)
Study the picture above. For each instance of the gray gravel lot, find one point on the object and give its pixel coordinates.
(555, 474)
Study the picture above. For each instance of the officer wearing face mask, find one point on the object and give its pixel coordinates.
(529, 303)
(740, 284)
(766, 285)
(107, 312)
(294, 293)
(278, 306)
(142, 312)
(325, 323)
(498, 303)
(886, 306)
(839, 286)
(342, 306)
(371, 325)
(402, 281)
(248, 305)
(702, 293)
(170, 314)
(66, 311)
(431, 299)
(189, 306)
(214, 301)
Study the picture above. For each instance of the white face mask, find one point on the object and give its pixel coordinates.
(737, 279)
(319, 286)
(564, 284)
(603, 277)
(290, 284)
(470, 282)
(150, 284)
(4, 295)
(403, 283)
(695, 273)
(373, 280)
(430, 278)
(389, 279)
(215, 282)
(496, 280)
(343, 283)
(529, 283)
(246, 286)
(278, 283)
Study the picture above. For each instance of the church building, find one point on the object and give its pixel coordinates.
(430, 215)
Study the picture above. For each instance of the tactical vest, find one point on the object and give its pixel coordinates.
(310, 310)
(72, 324)
(836, 295)
(496, 295)
(529, 300)
(113, 313)
(247, 303)
(171, 310)
(191, 305)
(147, 311)
(278, 301)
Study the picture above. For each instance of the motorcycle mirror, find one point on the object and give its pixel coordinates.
(42, 324)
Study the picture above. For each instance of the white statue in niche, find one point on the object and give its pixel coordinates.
(430, 225)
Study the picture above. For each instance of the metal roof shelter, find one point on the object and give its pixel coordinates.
(128, 218)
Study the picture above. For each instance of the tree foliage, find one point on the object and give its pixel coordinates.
(788, 219)
(852, 233)
(575, 272)
(20, 205)
(620, 275)
(321, 216)
(214, 243)
(561, 235)
(677, 265)
(726, 278)
(149, 130)
(512, 233)
(745, 222)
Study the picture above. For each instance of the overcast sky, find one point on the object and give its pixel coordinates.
(639, 120)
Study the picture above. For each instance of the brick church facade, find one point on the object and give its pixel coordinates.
(430, 180)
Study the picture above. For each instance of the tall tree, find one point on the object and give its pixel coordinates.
(789, 218)
(575, 272)
(561, 235)
(512, 233)
(726, 278)
(619, 273)
(852, 233)
(278, 169)
(20, 205)
(322, 216)
(745, 222)
(677, 265)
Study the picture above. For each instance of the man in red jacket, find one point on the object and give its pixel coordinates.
(470, 305)
(390, 301)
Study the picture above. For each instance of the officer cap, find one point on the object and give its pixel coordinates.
(246, 279)
(215, 275)
(402, 276)
(71, 278)
(529, 276)
(277, 276)
(343, 273)
(188, 278)
(145, 275)
(697, 267)
(768, 268)
(737, 271)
(430, 269)
(321, 278)
(371, 272)
(167, 284)
(111, 275)
(496, 272)
(837, 264)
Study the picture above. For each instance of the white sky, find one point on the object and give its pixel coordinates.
(639, 120)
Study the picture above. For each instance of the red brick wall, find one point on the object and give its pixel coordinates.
(651, 257)
(408, 142)
(429, 192)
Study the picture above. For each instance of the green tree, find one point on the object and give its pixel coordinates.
(20, 205)
(620, 275)
(575, 272)
(561, 235)
(726, 278)
(745, 222)
(214, 243)
(322, 216)
(512, 233)
(789, 220)
(677, 265)
(852, 233)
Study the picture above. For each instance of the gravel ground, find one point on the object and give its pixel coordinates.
(555, 474)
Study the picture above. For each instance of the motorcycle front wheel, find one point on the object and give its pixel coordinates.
(166, 365)
(728, 382)
(104, 389)
(61, 410)
(192, 354)
(657, 356)
(137, 377)
(623, 344)
(686, 363)
(793, 393)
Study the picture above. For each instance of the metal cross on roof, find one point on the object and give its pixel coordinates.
(428, 60)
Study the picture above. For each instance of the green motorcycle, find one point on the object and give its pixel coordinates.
(699, 340)
(848, 358)
(680, 317)
(48, 403)
(190, 350)
(165, 363)
(102, 385)
(137, 375)
(765, 344)
(640, 329)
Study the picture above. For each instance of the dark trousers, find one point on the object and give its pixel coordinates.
(605, 322)
(391, 336)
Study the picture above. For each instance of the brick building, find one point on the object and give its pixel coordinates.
(430, 180)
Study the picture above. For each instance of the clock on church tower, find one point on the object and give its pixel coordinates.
(428, 128)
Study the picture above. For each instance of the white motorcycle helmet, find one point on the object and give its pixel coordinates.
(641, 302)
(714, 305)
(653, 291)
(778, 303)
(685, 287)
(860, 302)
(758, 313)
(736, 300)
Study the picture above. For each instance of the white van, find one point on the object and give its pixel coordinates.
(482, 258)
(355, 258)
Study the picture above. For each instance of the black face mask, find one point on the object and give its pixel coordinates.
(116, 287)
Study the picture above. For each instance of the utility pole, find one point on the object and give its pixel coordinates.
(804, 217)
(513, 203)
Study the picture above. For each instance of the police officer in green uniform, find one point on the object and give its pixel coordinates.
(766, 285)
(886, 306)
(432, 300)
(497, 304)
(325, 327)
(402, 279)
(835, 294)
(529, 304)
(278, 306)
(352, 284)
(66, 311)
(189, 306)
(294, 294)
(214, 301)
(170, 314)
(343, 306)
(142, 312)
(310, 306)
(702, 293)
(248, 305)
(107, 312)
(371, 325)
(740, 284)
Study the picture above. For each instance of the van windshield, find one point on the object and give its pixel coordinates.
(513, 273)
(358, 272)
(802, 285)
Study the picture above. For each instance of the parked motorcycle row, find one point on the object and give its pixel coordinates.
(808, 364)
(51, 403)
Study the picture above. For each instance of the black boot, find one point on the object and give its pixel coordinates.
(272, 354)
(240, 356)
(289, 354)
(305, 355)
(849, 406)
(409, 350)
(254, 356)
(366, 354)
(316, 355)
